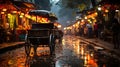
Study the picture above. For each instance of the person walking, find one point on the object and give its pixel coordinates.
(100, 29)
(2, 34)
(89, 30)
(81, 30)
(96, 30)
(116, 33)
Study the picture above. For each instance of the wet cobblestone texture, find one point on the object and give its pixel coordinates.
(72, 52)
(13, 58)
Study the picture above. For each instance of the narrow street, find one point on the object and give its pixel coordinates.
(72, 52)
(59, 33)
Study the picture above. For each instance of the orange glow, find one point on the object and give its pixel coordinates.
(18, 12)
(96, 13)
(104, 15)
(42, 20)
(28, 16)
(4, 9)
(9, 14)
(59, 26)
(21, 16)
(33, 18)
(92, 15)
(22, 13)
(86, 17)
(2, 12)
(14, 11)
(106, 11)
(82, 51)
(78, 22)
(73, 25)
(82, 20)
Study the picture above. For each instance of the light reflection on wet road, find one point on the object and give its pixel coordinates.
(72, 52)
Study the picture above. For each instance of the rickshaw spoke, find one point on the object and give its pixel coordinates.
(27, 49)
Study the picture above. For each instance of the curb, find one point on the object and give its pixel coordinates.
(105, 47)
(8, 48)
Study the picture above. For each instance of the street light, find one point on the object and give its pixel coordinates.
(99, 8)
(4, 9)
(86, 17)
(116, 10)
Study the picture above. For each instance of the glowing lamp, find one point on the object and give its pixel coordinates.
(4, 9)
(21, 16)
(59, 26)
(116, 10)
(78, 22)
(65, 28)
(14, 11)
(106, 11)
(82, 20)
(96, 13)
(99, 8)
(2, 12)
(85, 17)
(22, 13)
(73, 25)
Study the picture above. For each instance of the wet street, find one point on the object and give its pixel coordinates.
(72, 52)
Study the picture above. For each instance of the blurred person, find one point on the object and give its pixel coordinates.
(100, 29)
(60, 35)
(8, 35)
(116, 32)
(89, 30)
(96, 30)
(1, 34)
(85, 31)
(81, 30)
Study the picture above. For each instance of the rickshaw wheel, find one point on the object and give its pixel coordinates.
(52, 44)
(27, 48)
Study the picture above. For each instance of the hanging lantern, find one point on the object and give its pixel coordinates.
(14, 11)
(4, 10)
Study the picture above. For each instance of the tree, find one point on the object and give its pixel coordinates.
(76, 4)
(43, 4)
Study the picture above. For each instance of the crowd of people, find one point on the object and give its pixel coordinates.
(99, 30)
(92, 30)
(8, 35)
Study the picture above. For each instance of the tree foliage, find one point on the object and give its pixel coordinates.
(76, 4)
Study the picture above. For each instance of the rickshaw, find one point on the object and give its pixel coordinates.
(40, 34)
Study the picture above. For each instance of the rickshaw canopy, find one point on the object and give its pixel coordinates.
(43, 13)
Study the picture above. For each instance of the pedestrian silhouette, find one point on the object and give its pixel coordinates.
(116, 32)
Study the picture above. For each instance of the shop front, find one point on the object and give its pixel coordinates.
(14, 20)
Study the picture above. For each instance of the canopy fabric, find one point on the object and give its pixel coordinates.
(16, 5)
(21, 4)
(7, 4)
(40, 13)
(43, 13)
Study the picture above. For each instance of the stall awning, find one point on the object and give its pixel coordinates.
(23, 5)
(43, 13)
(113, 2)
(7, 4)
(16, 5)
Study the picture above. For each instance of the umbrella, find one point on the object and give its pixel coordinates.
(43, 13)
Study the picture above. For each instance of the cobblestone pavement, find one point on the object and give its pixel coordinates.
(13, 58)
(81, 53)
(5, 45)
(72, 52)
